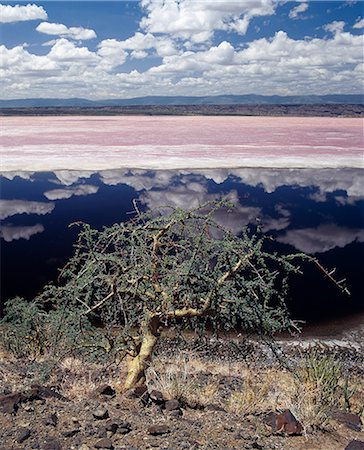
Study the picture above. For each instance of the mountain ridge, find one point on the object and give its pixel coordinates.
(248, 99)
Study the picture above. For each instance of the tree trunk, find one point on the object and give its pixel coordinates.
(138, 365)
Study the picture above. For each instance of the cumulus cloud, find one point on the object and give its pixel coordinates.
(335, 27)
(19, 13)
(69, 177)
(297, 10)
(321, 239)
(139, 42)
(112, 53)
(276, 65)
(198, 20)
(359, 24)
(10, 208)
(58, 29)
(19, 173)
(11, 233)
(83, 189)
(66, 51)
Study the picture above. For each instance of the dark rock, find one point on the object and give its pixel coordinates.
(112, 427)
(104, 443)
(355, 445)
(52, 420)
(140, 393)
(106, 390)
(101, 413)
(38, 392)
(9, 403)
(137, 392)
(194, 405)
(124, 427)
(52, 444)
(213, 407)
(71, 433)
(172, 405)
(157, 430)
(352, 421)
(23, 435)
(244, 435)
(102, 432)
(175, 413)
(156, 397)
(284, 423)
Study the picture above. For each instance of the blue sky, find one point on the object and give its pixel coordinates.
(116, 49)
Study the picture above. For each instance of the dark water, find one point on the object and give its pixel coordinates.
(320, 212)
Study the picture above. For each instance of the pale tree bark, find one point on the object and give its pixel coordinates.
(150, 331)
(140, 362)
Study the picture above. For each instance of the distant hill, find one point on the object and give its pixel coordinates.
(250, 99)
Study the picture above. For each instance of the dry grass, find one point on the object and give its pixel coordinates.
(178, 379)
(264, 390)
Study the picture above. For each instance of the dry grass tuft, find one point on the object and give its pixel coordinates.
(263, 390)
(174, 380)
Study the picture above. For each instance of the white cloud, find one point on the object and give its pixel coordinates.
(335, 27)
(66, 51)
(11, 233)
(83, 189)
(140, 42)
(10, 208)
(198, 20)
(19, 13)
(359, 24)
(276, 65)
(321, 239)
(69, 177)
(112, 53)
(297, 10)
(58, 29)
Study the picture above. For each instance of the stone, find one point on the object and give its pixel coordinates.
(84, 447)
(112, 427)
(101, 414)
(284, 422)
(52, 444)
(175, 413)
(137, 392)
(38, 392)
(172, 405)
(51, 420)
(104, 443)
(156, 397)
(124, 427)
(350, 420)
(157, 430)
(213, 407)
(101, 432)
(355, 445)
(106, 390)
(71, 433)
(23, 435)
(9, 403)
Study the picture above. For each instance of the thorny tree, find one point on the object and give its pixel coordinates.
(177, 268)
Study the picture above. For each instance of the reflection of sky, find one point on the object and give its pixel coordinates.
(11, 233)
(188, 189)
(315, 211)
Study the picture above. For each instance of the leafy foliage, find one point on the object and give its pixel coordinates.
(176, 268)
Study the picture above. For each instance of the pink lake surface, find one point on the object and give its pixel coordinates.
(160, 142)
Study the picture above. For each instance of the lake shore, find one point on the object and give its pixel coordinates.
(171, 142)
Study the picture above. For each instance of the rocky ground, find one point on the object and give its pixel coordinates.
(219, 398)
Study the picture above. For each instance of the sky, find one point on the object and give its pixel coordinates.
(125, 49)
